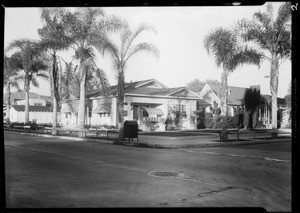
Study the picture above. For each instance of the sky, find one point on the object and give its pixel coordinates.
(179, 36)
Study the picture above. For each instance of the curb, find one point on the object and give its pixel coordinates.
(162, 146)
(206, 145)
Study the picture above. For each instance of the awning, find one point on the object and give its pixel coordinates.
(101, 109)
(154, 111)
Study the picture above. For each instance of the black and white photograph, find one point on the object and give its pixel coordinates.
(148, 106)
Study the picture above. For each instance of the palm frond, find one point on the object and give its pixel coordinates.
(111, 48)
(250, 31)
(34, 82)
(111, 24)
(264, 20)
(84, 53)
(19, 44)
(147, 47)
(43, 75)
(270, 10)
(284, 17)
(220, 43)
(142, 27)
(245, 56)
(104, 85)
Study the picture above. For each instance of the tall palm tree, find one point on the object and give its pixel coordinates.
(31, 63)
(228, 53)
(273, 37)
(54, 39)
(120, 55)
(11, 79)
(87, 27)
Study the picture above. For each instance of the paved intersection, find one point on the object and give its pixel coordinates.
(42, 172)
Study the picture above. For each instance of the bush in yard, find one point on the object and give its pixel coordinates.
(232, 121)
(208, 122)
(200, 119)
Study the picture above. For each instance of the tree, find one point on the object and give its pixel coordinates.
(120, 55)
(273, 37)
(197, 85)
(229, 54)
(87, 28)
(11, 79)
(30, 62)
(251, 102)
(288, 100)
(54, 39)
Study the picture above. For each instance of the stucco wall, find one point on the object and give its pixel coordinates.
(40, 117)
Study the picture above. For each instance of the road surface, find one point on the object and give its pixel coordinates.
(46, 172)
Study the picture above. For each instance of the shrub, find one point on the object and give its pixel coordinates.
(232, 122)
(208, 122)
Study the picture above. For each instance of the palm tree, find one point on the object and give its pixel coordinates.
(251, 101)
(11, 80)
(120, 56)
(273, 37)
(54, 39)
(229, 54)
(87, 27)
(31, 64)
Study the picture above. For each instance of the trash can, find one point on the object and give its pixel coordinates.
(131, 129)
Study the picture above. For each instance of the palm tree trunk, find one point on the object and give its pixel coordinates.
(53, 84)
(81, 108)
(254, 118)
(54, 118)
(121, 91)
(224, 92)
(26, 100)
(274, 90)
(246, 118)
(8, 103)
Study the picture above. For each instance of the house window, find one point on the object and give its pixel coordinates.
(38, 104)
(135, 112)
(183, 110)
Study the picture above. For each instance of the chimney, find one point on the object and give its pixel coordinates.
(257, 87)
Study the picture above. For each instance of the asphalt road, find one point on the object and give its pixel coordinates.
(46, 172)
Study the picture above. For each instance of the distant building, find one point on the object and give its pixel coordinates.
(37, 114)
(40, 110)
(211, 94)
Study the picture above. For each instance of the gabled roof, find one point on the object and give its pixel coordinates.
(21, 96)
(21, 108)
(236, 93)
(147, 87)
(280, 101)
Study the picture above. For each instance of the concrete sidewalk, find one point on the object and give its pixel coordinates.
(201, 141)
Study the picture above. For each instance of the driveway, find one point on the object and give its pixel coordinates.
(46, 172)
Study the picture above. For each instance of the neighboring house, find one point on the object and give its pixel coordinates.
(148, 102)
(37, 114)
(18, 98)
(211, 94)
(40, 110)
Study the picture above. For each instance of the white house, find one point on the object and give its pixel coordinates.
(37, 114)
(39, 108)
(148, 102)
(211, 94)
